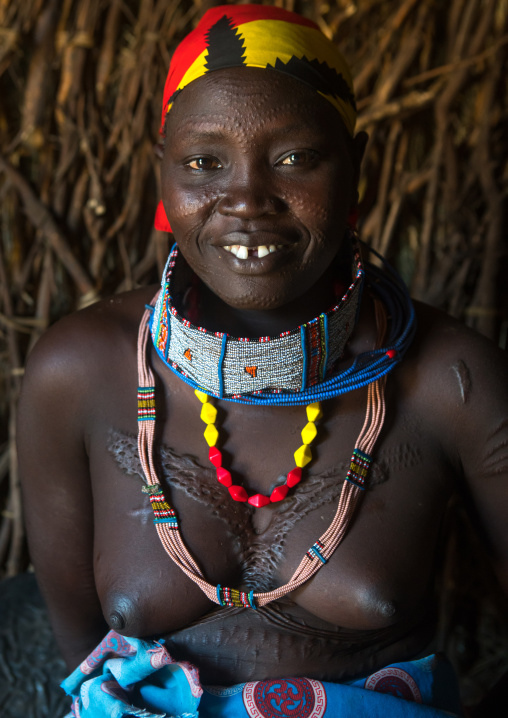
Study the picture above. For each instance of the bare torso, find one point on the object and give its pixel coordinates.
(371, 604)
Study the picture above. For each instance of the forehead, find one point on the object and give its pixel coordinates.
(244, 97)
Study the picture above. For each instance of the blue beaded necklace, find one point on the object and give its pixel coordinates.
(366, 367)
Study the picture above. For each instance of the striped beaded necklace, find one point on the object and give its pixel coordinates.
(165, 518)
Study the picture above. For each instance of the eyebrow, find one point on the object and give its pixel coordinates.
(201, 135)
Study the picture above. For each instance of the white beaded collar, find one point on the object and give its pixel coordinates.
(235, 367)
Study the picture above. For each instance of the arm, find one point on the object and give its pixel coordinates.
(57, 494)
(481, 435)
(463, 379)
(473, 386)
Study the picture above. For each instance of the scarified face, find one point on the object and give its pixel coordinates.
(258, 178)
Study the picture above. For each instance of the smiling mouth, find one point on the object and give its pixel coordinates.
(241, 252)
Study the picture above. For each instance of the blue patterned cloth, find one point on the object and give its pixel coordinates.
(132, 677)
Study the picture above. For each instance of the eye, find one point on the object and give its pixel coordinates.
(202, 164)
(299, 158)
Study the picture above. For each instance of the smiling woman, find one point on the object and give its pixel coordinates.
(263, 164)
(300, 429)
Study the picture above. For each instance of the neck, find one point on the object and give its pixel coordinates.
(297, 366)
(217, 316)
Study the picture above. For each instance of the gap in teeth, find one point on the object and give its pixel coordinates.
(244, 252)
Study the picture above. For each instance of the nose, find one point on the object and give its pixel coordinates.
(250, 193)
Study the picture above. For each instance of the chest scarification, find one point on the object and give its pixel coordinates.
(263, 547)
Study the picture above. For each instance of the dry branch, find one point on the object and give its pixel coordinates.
(43, 221)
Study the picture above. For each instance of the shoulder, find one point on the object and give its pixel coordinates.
(81, 353)
(459, 379)
(454, 358)
(91, 335)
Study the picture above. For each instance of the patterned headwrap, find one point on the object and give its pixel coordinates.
(266, 37)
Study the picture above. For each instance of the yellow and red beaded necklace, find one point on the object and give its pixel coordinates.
(303, 455)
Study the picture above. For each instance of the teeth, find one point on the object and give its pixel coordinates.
(241, 252)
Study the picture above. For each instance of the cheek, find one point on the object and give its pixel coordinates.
(187, 208)
(323, 205)
(314, 211)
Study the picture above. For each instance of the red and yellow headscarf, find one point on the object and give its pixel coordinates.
(266, 37)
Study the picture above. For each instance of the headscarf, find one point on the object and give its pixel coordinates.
(265, 37)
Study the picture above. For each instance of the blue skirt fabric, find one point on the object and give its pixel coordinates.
(132, 677)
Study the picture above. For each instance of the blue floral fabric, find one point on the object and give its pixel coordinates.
(132, 677)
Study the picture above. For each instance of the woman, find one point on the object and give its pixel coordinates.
(266, 326)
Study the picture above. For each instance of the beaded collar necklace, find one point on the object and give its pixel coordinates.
(240, 369)
(294, 368)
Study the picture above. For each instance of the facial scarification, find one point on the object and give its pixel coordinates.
(258, 179)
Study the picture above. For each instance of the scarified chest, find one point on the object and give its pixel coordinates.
(374, 579)
(353, 592)
(261, 536)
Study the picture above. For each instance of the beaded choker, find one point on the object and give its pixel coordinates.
(296, 367)
(242, 368)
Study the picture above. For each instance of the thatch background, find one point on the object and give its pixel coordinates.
(80, 93)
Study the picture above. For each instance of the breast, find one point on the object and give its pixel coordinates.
(366, 586)
(375, 581)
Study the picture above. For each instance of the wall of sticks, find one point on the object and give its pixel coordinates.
(80, 93)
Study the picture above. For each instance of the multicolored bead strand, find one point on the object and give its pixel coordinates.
(232, 598)
(146, 403)
(358, 470)
(162, 511)
(303, 455)
(316, 550)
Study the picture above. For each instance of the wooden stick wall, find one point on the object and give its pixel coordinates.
(80, 94)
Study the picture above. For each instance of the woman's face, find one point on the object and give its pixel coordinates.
(258, 178)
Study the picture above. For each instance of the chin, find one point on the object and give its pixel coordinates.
(258, 300)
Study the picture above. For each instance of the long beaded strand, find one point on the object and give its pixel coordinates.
(165, 518)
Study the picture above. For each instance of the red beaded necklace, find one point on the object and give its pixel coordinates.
(303, 455)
